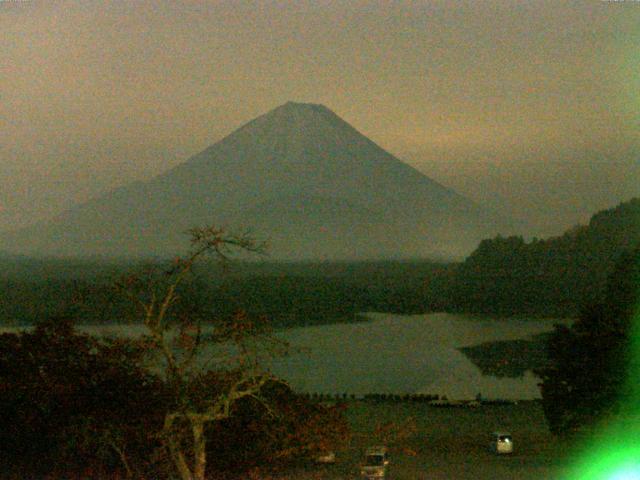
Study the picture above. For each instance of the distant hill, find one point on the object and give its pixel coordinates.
(558, 276)
(298, 176)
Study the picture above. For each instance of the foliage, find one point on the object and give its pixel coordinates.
(73, 404)
(292, 429)
(289, 294)
(70, 400)
(554, 277)
(503, 276)
(590, 360)
(233, 376)
(160, 404)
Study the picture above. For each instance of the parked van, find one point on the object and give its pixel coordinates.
(375, 463)
(501, 442)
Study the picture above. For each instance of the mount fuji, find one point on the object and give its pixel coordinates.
(299, 177)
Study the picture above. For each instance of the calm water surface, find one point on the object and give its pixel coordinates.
(406, 354)
(394, 354)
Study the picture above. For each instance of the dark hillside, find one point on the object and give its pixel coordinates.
(552, 277)
(288, 294)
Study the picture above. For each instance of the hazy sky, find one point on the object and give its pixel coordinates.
(531, 107)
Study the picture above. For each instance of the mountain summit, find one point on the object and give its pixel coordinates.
(298, 176)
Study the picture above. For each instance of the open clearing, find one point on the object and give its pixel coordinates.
(448, 443)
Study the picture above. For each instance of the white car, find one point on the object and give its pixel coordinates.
(375, 463)
(501, 442)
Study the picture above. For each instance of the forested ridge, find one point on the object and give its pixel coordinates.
(592, 371)
(288, 294)
(504, 276)
(553, 277)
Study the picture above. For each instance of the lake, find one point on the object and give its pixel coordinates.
(403, 354)
(397, 354)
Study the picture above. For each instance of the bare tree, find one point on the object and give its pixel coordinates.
(233, 366)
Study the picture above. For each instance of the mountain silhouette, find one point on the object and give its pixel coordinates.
(298, 176)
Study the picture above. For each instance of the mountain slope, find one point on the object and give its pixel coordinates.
(553, 277)
(299, 176)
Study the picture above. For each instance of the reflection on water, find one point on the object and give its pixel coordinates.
(393, 354)
(405, 354)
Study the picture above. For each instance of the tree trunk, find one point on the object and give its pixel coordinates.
(176, 453)
(199, 452)
(123, 458)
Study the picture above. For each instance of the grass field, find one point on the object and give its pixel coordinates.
(447, 443)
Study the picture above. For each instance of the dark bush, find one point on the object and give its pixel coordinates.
(289, 429)
(73, 406)
(70, 400)
(591, 363)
